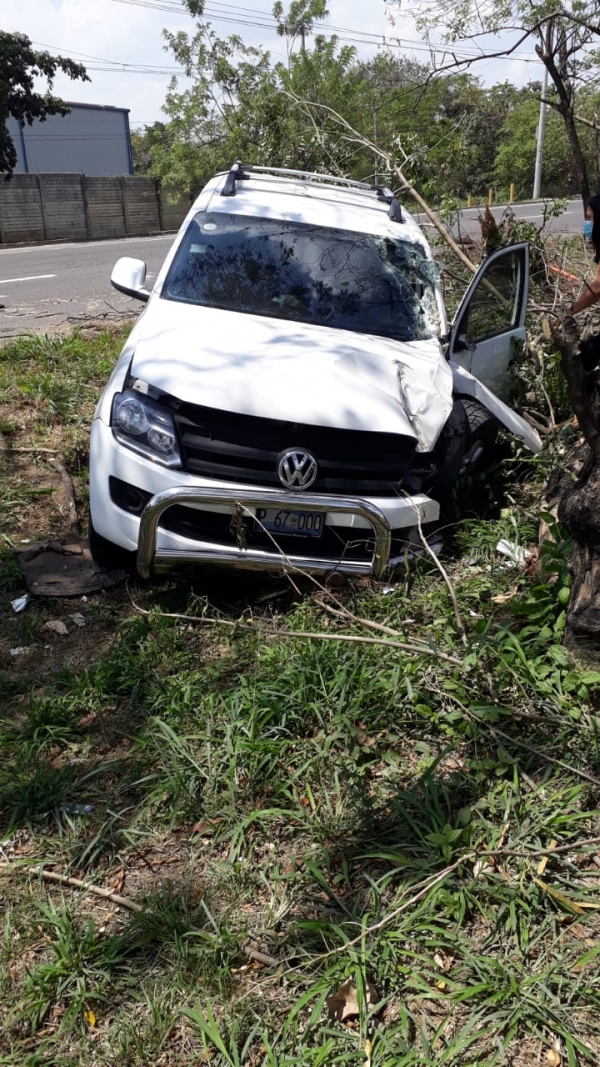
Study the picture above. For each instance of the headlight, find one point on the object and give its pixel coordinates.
(144, 426)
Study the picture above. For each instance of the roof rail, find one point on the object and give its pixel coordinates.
(242, 172)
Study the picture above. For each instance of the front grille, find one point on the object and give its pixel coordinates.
(246, 449)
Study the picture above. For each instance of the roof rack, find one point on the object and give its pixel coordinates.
(242, 172)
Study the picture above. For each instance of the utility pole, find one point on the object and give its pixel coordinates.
(303, 38)
(539, 151)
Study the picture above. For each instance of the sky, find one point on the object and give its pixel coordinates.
(120, 42)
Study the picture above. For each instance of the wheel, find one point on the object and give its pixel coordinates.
(108, 555)
(482, 431)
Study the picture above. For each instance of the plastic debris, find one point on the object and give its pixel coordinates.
(78, 809)
(516, 554)
(57, 626)
(20, 651)
(20, 603)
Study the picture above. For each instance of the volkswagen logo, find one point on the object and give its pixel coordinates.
(297, 469)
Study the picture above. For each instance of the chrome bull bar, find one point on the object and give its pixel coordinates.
(256, 559)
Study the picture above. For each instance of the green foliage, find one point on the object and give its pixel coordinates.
(455, 137)
(20, 66)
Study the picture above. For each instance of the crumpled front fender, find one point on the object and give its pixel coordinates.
(465, 384)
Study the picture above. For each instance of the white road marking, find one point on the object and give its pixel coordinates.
(84, 244)
(29, 278)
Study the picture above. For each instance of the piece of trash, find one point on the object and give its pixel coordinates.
(20, 603)
(57, 626)
(344, 1003)
(475, 614)
(77, 619)
(61, 568)
(19, 651)
(515, 553)
(388, 589)
(482, 868)
(90, 1018)
(78, 809)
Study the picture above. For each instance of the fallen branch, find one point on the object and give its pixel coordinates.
(576, 846)
(49, 451)
(444, 574)
(70, 496)
(353, 136)
(261, 957)
(115, 898)
(427, 885)
(276, 631)
(77, 883)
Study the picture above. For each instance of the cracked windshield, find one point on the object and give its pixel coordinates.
(350, 281)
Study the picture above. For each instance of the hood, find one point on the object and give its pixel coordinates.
(295, 372)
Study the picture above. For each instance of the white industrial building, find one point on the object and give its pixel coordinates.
(91, 140)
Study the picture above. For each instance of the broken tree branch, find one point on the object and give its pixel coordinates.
(69, 492)
(392, 165)
(276, 631)
(459, 623)
(77, 883)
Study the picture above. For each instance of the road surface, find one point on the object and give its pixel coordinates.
(46, 287)
(570, 221)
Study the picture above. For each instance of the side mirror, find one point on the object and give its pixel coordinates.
(465, 343)
(128, 277)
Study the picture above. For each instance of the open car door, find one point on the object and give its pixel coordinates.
(491, 316)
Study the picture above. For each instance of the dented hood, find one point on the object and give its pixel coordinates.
(295, 372)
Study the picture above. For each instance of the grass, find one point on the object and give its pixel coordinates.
(354, 812)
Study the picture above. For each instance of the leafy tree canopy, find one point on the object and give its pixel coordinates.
(20, 65)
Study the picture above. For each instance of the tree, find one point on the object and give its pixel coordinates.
(20, 65)
(240, 105)
(563, 37)
(146, 145)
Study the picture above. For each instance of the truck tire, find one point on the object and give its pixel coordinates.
(108, 555)
(482, 431)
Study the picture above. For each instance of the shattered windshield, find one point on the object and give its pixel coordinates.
(313, 274)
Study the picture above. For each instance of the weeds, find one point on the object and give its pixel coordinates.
(349, 813)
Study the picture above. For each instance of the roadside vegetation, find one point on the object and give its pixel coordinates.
(453, 135)
(317, 851)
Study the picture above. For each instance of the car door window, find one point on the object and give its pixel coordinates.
(496, 303)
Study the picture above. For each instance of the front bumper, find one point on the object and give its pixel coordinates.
(248, 500)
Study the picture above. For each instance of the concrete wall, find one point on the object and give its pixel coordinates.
(89, 140)
(75, 207)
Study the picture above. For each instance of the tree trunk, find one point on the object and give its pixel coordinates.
(552, 52)
(579, 506)
(578, 156)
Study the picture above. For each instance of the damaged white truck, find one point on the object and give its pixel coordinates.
(292, 395)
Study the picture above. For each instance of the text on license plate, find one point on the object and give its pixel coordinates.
(296, 523)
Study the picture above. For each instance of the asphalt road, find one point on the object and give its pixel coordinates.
(45, 287)
(569, 222)
(48, 287)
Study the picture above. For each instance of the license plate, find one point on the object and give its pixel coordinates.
(290, 523)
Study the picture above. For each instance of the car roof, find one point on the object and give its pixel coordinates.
(314, 199)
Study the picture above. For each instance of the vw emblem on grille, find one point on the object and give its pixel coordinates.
(297, 469)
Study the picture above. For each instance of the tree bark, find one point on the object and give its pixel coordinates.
(579, 505)
(552, 47)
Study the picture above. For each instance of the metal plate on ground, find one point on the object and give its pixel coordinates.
(64, 568)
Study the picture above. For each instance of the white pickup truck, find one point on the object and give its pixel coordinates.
(292, 394)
